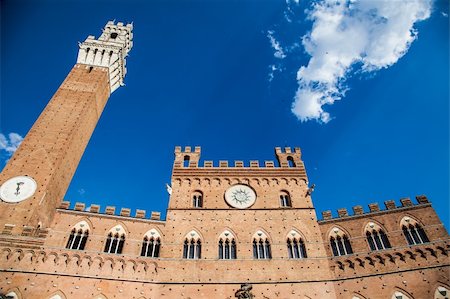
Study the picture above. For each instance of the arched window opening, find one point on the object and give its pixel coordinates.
(285, 199)
(192, 247)
(441, 293)
(290, 161)
(261, 246)
(399, 295)
(115, 240)
(413, 232)
(376, 237)
(186, 161)
(78, 236)
(296, 246)
(12, 295)
(151, 244)
(340, 243)
(227, 246)
(197, 199)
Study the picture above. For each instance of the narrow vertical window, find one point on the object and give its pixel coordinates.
(285, 199)
(151, 244)
(192, 248)
(197, 199)
(290, 161)
(78, 236)
(115, 240)
(340, 243)
(186, 161)
(295, 245)
(376, 237)
(261, 246)
(227, 246)
(413, 232)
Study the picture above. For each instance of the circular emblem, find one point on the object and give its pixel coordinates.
(17, 189)
(240, 196)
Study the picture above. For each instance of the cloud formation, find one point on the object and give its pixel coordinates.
(10, 143)
(351, 36)
(279, 52)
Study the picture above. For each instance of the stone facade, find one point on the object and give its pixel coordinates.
(205, 248)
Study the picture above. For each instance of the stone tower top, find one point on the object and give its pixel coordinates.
(109, 50)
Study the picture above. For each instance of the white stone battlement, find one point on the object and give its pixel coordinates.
(109, 50)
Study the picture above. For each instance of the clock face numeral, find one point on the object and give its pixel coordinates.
(18, 189)
(240, 196)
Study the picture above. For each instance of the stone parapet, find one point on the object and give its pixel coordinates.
(375, 208)
(109, 210)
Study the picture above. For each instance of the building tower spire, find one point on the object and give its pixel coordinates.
(36, 178)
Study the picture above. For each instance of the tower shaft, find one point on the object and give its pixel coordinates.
(52, 149)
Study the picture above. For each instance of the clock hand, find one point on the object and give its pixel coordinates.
(18, 188)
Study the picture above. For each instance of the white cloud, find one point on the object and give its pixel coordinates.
(10, 143)
(279, 52)
(349, 36)
(445, 15)
(81, 191)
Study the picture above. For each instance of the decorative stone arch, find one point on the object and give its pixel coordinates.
(407, 219)
(296, 244)
(192, 245)
(295, 233)
(14, 294)
(339, 241)
(358, 296)
(151, 243)
(261, 245)
(260, 232)
(371, 224)
(337, 230)
(100, 296)
(193, 234)
(57, 295)
(442, 290)
(84, 223)
(399, 293)
(120, 227)
(230, 232)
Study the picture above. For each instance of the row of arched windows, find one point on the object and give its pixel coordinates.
(197, 199)
(441, 292)
(340, 243)
(376, 237)
(192, 245)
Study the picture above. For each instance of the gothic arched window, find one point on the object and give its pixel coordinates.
(376, 237)
(192, 247)
(340, 243)
(261, 246)
(227, 246)
(78, 236)
(285, 199)
(413, 231)
(290, 161)
(399, 295)
(197, 199)
(115, 240)
(186, 161)
(295, 246)
(151, 244)
(441, 293)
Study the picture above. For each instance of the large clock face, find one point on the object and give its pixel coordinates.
(240, 196)
(17, 189)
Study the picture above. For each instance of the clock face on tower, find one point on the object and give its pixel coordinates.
(17, 189)
(240, 196)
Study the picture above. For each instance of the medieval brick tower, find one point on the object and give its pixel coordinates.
(232, 230)
(43, 166)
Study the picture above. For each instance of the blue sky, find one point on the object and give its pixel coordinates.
(371, 113)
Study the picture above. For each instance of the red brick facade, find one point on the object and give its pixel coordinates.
(205, 248)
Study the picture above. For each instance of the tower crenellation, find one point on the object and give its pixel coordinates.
(109, 50)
